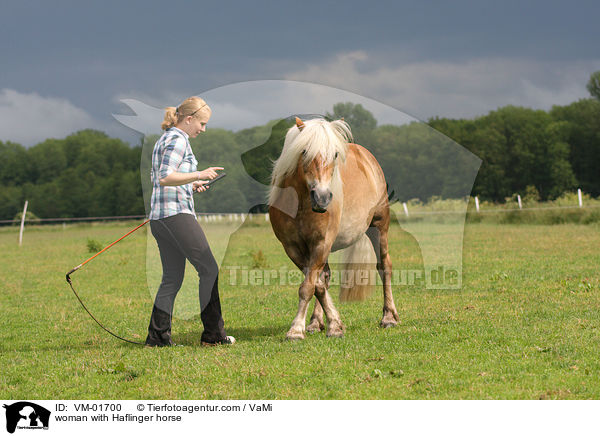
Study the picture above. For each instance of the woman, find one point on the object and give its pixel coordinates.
(174, 226)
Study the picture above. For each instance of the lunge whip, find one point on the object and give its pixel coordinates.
(83, 263)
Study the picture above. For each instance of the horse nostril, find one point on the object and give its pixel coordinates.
(321, 198)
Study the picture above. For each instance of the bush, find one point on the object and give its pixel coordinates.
(28, 216)
(93, 246)
(258, 259)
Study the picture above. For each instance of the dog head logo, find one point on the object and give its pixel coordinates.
(26, 415)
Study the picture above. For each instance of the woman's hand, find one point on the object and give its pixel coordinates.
(209, 173)
(199, 186)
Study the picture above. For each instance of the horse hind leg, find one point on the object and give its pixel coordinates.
(316, 320)
(378, 234)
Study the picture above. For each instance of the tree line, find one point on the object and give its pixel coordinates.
(522, 150)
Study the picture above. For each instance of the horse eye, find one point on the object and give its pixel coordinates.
(303, 152)
(336, 154)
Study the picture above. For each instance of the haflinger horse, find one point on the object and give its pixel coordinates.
(328, 194)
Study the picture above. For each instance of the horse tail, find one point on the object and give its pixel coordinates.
(359, 272)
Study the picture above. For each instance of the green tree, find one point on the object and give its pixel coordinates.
(268, 144)
(582, 134)
(11, 201)
(91, 174)
(519, 147)
(43, 199)
(361, 121)
(14, 165)
(593, 85)
(47, 160)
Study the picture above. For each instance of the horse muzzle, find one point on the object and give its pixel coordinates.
(320, 200)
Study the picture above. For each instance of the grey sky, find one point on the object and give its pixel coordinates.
(66, 64)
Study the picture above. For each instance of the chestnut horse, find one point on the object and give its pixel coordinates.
(328, 194)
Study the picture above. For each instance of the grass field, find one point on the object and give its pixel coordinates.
(525, 325)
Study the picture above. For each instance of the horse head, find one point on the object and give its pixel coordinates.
(318, 166)
(312, 153)
(318, 175)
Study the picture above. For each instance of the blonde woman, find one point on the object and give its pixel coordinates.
(173, 224)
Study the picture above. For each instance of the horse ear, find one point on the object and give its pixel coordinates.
(299, 124)
(342, 119)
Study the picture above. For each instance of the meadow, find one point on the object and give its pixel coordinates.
(524, 325)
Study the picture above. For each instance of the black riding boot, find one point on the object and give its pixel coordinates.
(159, 330)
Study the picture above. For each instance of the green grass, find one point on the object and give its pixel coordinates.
(525, 325)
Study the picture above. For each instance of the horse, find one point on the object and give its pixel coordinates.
(327, 194)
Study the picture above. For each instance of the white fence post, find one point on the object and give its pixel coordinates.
(519, 200)
(22, 223)
(579, 197)
(405, 209)
(477, 203)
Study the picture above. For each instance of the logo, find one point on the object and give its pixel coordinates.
(26, 415)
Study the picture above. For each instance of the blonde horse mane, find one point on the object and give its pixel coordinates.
(318, 136)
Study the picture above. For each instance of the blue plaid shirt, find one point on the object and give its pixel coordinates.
(172, 152)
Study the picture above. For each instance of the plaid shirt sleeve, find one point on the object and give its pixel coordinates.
(174, 151)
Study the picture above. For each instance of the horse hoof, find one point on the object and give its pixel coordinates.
(314, 328)
(295, 336)
(388, 324)
(390, 319)
(336, 330)
(335, 334)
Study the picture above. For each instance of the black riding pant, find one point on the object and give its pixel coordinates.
(180, 237)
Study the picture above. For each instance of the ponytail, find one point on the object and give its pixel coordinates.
(191, 106)
(171, 118)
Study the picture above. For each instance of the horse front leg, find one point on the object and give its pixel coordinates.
(316, 320)
(335, 327)
(305, 293)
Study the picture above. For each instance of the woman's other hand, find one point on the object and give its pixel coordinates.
(209, 173)
(199, 186)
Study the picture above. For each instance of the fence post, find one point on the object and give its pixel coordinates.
(519, 200)
(579, 197)
(405, 208)
(22, 223)
(477, 203)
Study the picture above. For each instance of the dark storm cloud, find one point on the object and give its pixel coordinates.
(92, 53)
